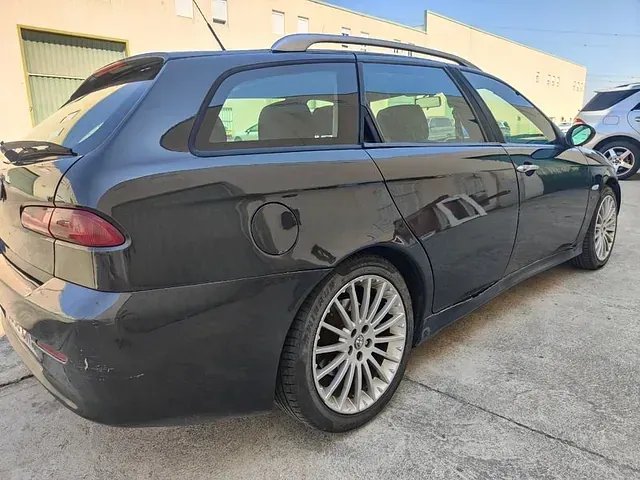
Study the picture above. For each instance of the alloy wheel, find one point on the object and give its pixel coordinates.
(605, 229)
(359, 344)
(620, 157)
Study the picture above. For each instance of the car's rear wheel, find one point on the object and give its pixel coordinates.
(601, 236)
(624, 155)
(347, 349)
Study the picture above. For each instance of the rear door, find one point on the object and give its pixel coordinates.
(458, 195)
(554, 180)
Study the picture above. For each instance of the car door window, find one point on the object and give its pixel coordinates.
(420, 104)
(283, 106)
(518, 119)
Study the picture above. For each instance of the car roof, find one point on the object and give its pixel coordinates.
(621, 88)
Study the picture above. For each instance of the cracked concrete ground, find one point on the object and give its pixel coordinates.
(543, 382)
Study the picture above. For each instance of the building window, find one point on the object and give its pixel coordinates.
(303, 25)
(537, 77)
(364, 35)
(395, 50)
(277, 21)
(51, 83)
(553, 81)
(548, 79)
(184, 8)
(219, 8)
(557, 81)
(410, 53)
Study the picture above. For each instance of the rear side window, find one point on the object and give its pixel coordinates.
(282, 106)
(418, 104)
(605, 100)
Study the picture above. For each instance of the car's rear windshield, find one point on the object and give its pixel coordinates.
(98, 105)
(604, 100)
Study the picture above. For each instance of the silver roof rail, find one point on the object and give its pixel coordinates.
(300, 42)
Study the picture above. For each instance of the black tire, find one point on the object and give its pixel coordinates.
(629, 146)
(588, 259)
(296, 392)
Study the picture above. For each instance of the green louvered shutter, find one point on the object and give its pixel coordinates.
(57, 64)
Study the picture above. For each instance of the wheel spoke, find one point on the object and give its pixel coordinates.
(346, 319)
(357, 394)
(376, 301)
(383, 313)
(389, 323)
(333, 364)
(354, 307)
(366, 299)
(341, 333)
(346, 387)
(389, 339)
(369, 377)
(378, 368)
(336, 347)
(337, 379)
(385, 355)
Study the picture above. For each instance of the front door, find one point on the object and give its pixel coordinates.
(554, 180)
(457, 193)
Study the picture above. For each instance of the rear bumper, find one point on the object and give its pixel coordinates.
(159, 356)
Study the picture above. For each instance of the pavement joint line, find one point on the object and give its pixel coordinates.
(17, 380)
(569, 443)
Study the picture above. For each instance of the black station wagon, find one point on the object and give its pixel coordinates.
(156, 267)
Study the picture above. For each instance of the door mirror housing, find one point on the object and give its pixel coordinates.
(580, 134)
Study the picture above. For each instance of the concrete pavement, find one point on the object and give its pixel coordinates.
(543, 382)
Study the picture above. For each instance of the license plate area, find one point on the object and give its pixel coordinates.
(24, 336)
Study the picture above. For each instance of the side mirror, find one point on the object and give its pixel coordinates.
(580, 134)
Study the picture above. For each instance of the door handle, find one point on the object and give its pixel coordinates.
(527, 168)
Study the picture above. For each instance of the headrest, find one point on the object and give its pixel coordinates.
(285, 120)
(403, 123)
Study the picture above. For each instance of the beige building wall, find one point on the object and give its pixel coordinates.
(153, 25)
(554, 85)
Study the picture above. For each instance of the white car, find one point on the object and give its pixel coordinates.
(615, 114)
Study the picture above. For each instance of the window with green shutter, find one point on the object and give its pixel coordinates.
(57, 64)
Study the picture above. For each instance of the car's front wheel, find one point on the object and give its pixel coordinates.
(601, 236)
(348, 347)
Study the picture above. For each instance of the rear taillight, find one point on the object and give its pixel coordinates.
(578, 120)
(72, 225)
(37, 219)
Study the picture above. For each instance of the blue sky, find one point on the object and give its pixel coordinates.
(602, 35)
